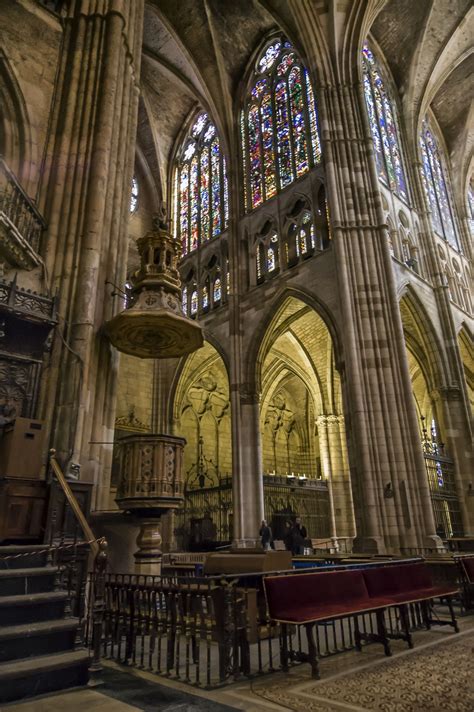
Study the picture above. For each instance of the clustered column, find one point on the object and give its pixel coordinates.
(335, 468)
(86, 191)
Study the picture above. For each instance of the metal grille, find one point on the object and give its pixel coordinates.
(446, 508)
(208, 511)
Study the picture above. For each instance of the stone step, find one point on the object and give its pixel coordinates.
(32, 607)
(34, 639)
(24, 678)
(32, 555)
(23, 581)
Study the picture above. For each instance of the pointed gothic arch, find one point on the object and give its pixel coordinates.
(16, 136)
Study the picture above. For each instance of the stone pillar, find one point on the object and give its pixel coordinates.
(381, 418)
(247, 471)
(85, 199)
(455, 410)
(148, 555)
(335, 468)
(450, 410)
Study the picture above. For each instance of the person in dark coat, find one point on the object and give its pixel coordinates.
(298, 537)
(288, 536)
(266, 536)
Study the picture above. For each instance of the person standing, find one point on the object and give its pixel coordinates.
(266, 536)
(299, 535)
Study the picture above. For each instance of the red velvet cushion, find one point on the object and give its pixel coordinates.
(468, 564)
(287, 596)
(330, 610)
(388, 580)
(422, 594)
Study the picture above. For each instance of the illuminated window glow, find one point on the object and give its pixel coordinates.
(436, 187)
(279, 132)
(383, 126)
(201, 192)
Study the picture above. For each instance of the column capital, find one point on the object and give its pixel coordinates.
(447, 393)
(329, 420)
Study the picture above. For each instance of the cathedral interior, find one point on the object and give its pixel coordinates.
(235, 298)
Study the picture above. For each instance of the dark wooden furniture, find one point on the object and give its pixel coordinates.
(62, 523)
(307, 599)
(22, 509)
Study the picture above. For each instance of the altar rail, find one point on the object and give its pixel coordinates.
(208, 631)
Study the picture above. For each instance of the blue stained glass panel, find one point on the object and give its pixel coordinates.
(284, 148)
(436, 187)
(298, 120)
(383, 126)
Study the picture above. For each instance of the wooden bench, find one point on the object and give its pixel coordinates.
(306, 599)
(402, 584)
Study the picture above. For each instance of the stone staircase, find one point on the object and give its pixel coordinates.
(38, 651)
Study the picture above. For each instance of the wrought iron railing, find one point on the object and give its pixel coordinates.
(18, 209)
(210, 631)
(440, 469)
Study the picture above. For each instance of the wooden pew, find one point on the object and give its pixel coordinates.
(307, 599)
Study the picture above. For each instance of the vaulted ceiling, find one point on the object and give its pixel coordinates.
(196, 52)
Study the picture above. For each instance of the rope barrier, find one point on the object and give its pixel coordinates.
(35, 552)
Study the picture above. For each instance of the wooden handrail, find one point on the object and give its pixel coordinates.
(73, 503)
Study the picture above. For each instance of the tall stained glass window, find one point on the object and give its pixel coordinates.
(278, 125)
(383, 125)
(436, 187)
(201, 193)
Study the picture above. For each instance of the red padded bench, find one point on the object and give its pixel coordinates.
(306, 599)
(409, 583)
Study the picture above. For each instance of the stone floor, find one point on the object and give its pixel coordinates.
(437, 676)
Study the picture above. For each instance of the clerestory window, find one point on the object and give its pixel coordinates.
(279, 131)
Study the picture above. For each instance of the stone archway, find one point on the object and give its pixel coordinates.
(304, 452)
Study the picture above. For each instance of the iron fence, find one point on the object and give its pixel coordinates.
(210, 631)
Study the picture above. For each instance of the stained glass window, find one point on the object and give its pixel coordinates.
(201, 192)
(278, 125)
(436, 187)
(134, 195)
(383, 126)
(205, 297)
(304, 235)
(194, 302)
(184, 299)
(217, 291)
(271, 261)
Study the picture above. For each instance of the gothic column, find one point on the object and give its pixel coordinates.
(247, 477)
(335, 468)
(450, 410)
(452, 393)
(86, 192)
(382, 420)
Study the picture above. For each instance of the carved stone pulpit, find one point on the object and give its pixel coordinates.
(153, 326)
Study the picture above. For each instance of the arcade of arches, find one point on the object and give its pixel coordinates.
(319, 182)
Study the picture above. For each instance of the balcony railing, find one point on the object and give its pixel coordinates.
(21, 221)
